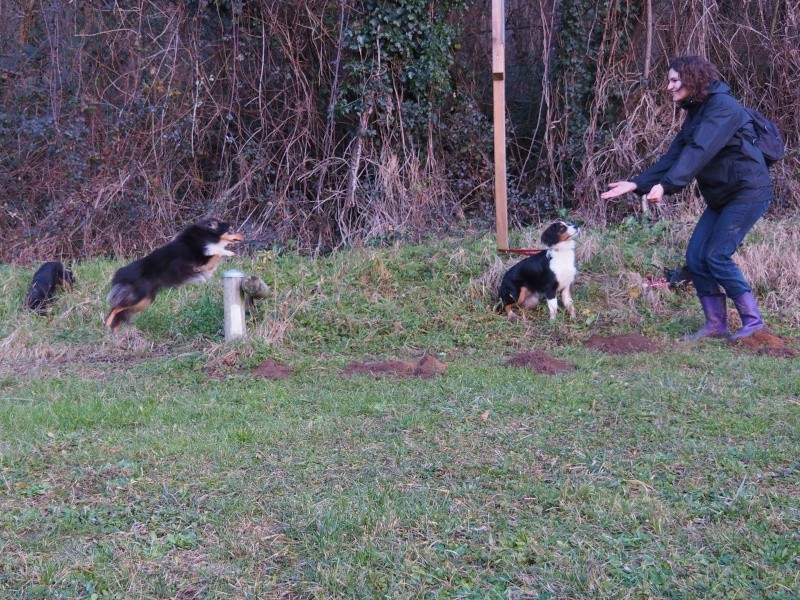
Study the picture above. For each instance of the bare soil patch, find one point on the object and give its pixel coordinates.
(540, 363)
(426, 368)
(766, 344)
(55, 361)
(627, 343)
(271, 369)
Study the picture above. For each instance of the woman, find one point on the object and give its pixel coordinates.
(714, 146)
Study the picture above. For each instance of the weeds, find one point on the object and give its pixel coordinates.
(306, 124)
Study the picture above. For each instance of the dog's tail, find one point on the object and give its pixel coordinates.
(499, 306)
(505, 296)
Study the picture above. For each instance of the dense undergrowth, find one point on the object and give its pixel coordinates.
(327, 124)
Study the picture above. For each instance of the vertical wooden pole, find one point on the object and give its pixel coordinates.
(648, 48)
(499, 94)
(233, 301)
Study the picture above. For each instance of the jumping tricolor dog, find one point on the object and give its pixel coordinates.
(549, 272)
(192, 257)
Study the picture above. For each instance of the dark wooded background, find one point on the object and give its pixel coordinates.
(322, 123)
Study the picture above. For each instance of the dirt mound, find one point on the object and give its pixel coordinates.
(540, 362)
(429, 367)
(765, 343)
(271, 369)
(627, 343)
(426, 368)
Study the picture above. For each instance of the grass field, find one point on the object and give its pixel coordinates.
(154, 464)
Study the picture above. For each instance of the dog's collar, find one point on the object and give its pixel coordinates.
(553, 249)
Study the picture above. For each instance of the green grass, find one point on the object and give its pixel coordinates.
(154, 465)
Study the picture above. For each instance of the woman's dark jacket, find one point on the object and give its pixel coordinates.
(707, 148)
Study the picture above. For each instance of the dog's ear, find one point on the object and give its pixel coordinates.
(211, 225)
(217, 226)
(551, 235)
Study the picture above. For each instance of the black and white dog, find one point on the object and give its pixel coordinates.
(549, 272)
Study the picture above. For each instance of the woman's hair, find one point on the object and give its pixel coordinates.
(697, 75)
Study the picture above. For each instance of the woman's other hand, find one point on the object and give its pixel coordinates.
(656, 194)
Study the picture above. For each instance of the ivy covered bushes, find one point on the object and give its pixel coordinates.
(329, 122)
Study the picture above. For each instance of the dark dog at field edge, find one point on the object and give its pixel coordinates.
(549, 272)
(46, 281)
(192, 257)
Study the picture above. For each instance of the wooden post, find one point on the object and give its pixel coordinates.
(499, 94)
(233, 301)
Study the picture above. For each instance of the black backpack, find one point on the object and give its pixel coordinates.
(768, 137)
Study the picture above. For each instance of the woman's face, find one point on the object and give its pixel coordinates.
(675, 86)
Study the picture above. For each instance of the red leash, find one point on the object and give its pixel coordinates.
(648, 281)
(655, 283)
(526, 251)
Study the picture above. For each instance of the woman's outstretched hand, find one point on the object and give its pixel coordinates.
(618, 188)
